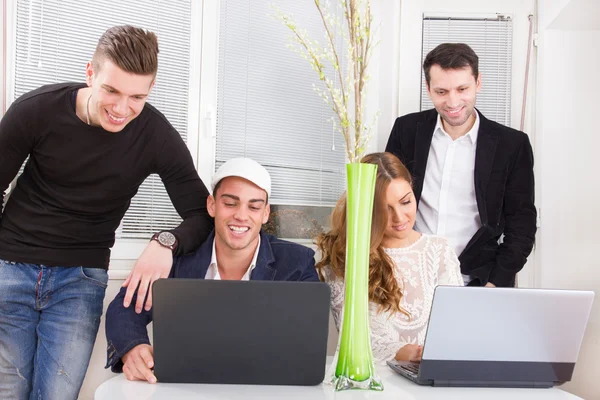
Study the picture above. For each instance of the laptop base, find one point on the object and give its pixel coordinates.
(493, 384)
(410, 371)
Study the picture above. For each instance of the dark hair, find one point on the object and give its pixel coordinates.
(451, 56)
(383, 286)
(132, 49)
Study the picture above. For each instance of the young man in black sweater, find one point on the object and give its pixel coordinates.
(90, 146)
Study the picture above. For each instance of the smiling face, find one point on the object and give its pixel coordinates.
(402, 212)
(117, 97)
(453, 93)
(239, 208)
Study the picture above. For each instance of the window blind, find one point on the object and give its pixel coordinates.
(491, 39)
(266, 106)
(56, 38)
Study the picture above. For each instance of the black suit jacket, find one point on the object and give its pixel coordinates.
(504, 188)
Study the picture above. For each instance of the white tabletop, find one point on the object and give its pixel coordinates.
(395, 387)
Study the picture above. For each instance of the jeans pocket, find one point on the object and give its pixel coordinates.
(95, 275)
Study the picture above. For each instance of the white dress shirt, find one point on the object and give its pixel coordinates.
(213, 270)
(448, 206)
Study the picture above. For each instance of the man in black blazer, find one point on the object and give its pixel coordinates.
(473, 178)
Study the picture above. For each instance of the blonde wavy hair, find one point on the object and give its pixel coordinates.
(383, 286)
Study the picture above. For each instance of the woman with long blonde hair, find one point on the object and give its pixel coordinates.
(405, 266)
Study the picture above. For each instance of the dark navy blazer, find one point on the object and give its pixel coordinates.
(278, 260)
(504, 189)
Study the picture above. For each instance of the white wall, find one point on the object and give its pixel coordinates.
(409, 66)
(382, 95)
(7, 16)
(566, 150)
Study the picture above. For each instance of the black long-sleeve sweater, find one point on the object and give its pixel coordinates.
(79, 180)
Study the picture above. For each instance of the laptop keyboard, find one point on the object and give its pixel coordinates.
(412, 369)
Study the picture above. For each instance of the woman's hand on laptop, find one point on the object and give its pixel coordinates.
(138, 363)
(410, 352)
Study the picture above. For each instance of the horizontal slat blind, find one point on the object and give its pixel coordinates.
(491, 39)
(56, 38)
(266, 107)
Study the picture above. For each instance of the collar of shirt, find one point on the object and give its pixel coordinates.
(471, 135)
(213, 270)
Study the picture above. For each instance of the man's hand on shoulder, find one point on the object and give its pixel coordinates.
(154, 263)
(138, 363)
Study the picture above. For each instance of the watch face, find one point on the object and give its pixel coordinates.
(166, 239)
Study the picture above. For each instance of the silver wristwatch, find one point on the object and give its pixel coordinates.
(166, 239)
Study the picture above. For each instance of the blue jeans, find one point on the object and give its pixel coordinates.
(49, 318)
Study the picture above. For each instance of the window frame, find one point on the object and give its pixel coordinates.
(202, 105)
(131, 249)
(463, 19)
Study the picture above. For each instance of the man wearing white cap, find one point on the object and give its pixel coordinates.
(236, 250)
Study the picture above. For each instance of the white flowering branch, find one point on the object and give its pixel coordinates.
(357, 37)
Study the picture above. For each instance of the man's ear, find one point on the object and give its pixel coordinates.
(89, 73)
(478, 84)
(211, 205)
(267, 213)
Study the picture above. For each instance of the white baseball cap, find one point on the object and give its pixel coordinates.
(244, 168)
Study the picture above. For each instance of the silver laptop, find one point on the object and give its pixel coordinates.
(501, 337)
(236, 332)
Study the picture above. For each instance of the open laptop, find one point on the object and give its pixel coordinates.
(240, 332)
(501, 337)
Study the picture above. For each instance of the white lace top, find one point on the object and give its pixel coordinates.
(428, 262)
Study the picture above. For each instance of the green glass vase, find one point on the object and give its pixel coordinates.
(354, 368)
